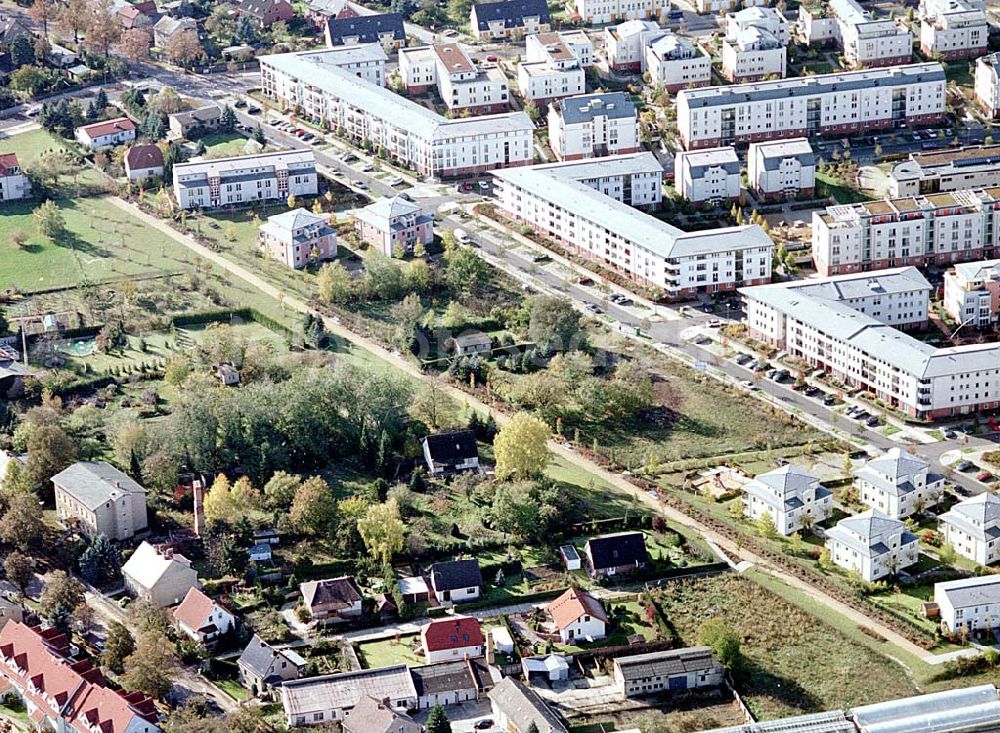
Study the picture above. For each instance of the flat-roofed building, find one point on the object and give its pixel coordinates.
(972, 293)
(463, 85)
(947, 169)
(953, 29)
(753, 53)
(941, 229)
(551, 69)
(868, 41)
(242, 179)
(782, 168)
(712, 174)
(593, 125)
(676, 63)
(614, 11)
(826, 104)
(406, 131)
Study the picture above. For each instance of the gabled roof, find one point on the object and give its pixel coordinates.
(455, 574)
(670, 662)
(148, 564)
(456, 445)
(258, 8)
(574, 604)
(452, 633)
(8, 162)
(522, 706)
(373, 716)
(367, 28)
(344, 690)
(511, 12)
(195, 610)
(144, 156)
(93, 483)
(337, 592)
(258, 656)
(109, 127)
(616, 550)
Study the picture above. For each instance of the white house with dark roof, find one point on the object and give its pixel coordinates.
(509, 18)
(674, 670)
(99, 499)
(969, 604)
(972, 527)
(787, 495)
(593, 125)
(616, 554)
(782, 168)
(674, 62)
(298, 237)
(873, 544)
(712, 174)
(452, 452)
(263, 667)
(332, 599)
(611, 11)
(898, 484)
(385, 29)
(159, 575)
(455, 581)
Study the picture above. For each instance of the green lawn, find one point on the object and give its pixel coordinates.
(386, 652)
(31, 146)
(839, 189)
(223, 144)
(233, 688)
(18, 714)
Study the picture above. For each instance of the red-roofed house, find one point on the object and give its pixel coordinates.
(578, 615)
(459, 637)
(143, 161)
(201, 618)
(137, 16)
(14, 184)
(62, 695)
(106, 134)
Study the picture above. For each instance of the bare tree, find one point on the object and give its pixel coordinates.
(73, 18)
(42, 11)
(184, 48)
(135, 44)
(102, 27)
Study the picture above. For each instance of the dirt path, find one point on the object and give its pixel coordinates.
(613, 479)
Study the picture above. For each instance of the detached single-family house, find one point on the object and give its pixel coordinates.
(472, 342)
(516, 707)
(334, 599)
(898, 484)
(97, 498)
(674, 670)
(448, 453)
(159, 575)
(969, 604)
(143, 162)
(260, 552)
(616, 554)
(118, 131)
(194, 121)
(792, 498)
(459, 637)
(266, 12)
(371, 715)
(14, 182)
(455, 581)
(972, 527)
(262, 667)
(166, 27)
(577, 615)
(872, 544)
(201, 618)
(451, 683)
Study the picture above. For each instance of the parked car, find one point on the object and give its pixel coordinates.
(743, 359)
(964, 466)
(584, 280)
(748, 385)
(240, 103)
(950, 434)
(253, 110)
(829, 400)
(715, 323)
(811, 391)
(593, 308)
(863, 415)
(484, 724)
(540, 258)
(360, 184)
(484, 185)
(985, 476)
(367, 168)
(873, 421)
(396, 181)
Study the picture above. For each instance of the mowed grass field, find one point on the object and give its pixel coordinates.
(32, 146)
(794, 663)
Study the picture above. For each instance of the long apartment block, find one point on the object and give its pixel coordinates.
(942, 229)
(850, 326)
(827, 104)
(246, 178)
(588, 207)
(407, 132)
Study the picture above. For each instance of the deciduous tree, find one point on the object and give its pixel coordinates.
(73, 18)
(184, 48)
(280, 490)
(333, 283)
(62, 594)
(49, 220)
(520, 447)
(21, 525)
(150, 667)
(118, 645)
(135, 44)
(382, 530)
(20, 570)
(554, 325)
(723, 640)
(102, 29)
(314, 509)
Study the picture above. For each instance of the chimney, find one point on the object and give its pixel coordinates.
(198, 489)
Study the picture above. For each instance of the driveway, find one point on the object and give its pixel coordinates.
(464, 717)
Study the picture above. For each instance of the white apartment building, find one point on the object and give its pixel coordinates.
(463, 85)
(406, 131)
(614, 11)
(969, 604)
(972, 293)
(625, 44)
(14, 182)
(751, 54)
(365, 60)
(898, 484)
(787, 495)
(715, 7)
(767, 19)
(988, 84)
(826, 104)
(707, 175)
(597, 222)
(98, 499)
(947, 169)
(676, 63)
(551, 69)
(953, 29)
(593, 126)
(816, 24)
(263, 177)
(941, 228)
(868, 41)
(872, 544)
(972, 527)
(782, 168)
(848, 327)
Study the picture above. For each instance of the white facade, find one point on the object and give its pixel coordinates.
(676, 63)
(596, 221)
(988, 84)
(827, 104)
(407, 132)
(953, 29)
(365, 60)
(898, 484)
(551, 69)
(593, 126)
(159, 575)
(707, 175)
(715, 7)
(970, 604)
(946, 169)
(972, 293)
(767, 19)
(943, 228)
(262, 177)
(118, 131)
(972, 527)
(98, 499)
(674, 670)
(625, 44)
(868, 41)
(782, 168)
(462, 84)
(872, 544)
(751, 54)
(613, 11)
(787, 495)
(14, 183)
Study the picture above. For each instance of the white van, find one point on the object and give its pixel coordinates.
(462, 237)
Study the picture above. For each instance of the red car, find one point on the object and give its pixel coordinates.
(984, 476)
(300, 132)
(491, 57)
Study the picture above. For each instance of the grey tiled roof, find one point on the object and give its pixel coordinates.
(93, 483)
